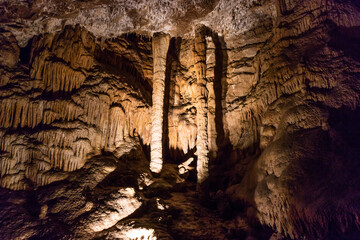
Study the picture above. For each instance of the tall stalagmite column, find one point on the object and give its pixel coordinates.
(201, 107)
(160, 46)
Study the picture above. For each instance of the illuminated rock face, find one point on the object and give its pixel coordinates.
(268, 97)
(201, 98)
(65, 109)
(123, 203)
(160, 44)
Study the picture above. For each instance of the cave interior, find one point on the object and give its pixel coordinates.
(159, 119)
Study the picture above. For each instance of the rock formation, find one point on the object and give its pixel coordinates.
(257, 102)
(160, 46)
(61, 117)
(201, 96)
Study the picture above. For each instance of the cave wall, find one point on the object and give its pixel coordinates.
(307, 87)
(65, 105)
(283, 107)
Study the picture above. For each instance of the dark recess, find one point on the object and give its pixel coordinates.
(25, 53)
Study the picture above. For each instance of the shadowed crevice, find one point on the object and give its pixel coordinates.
(171, 61)
(220, 88)
(116, 63)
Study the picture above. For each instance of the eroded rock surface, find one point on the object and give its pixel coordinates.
(282, 108)
(111, 18)
(67, 105)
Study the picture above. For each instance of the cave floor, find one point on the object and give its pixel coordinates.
(115, 198)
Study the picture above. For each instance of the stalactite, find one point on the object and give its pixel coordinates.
(182, 129)
(59, 77)
(20, 113)
(115, 133)
(201, 107)
(48, 133)
(160, 45)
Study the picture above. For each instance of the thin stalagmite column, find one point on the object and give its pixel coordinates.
(160, 46)
(202, 150)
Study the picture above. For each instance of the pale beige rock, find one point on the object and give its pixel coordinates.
(286, 146)
(201, 98)
(160, 45)
(123, 204)
(65, 131)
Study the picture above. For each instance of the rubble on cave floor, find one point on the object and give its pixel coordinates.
(116, 198)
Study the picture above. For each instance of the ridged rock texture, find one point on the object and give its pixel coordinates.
(262, 94)
(201, 97)
(66, 106)
(160, 46)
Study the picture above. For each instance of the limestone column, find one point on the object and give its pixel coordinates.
(160, 46)
(202, 150)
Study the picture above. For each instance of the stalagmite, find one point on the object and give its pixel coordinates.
(160, 46)
(201, 108)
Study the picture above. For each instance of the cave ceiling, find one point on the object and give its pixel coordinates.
(113, 18)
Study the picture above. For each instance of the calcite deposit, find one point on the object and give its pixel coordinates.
(204, 119)
(201, 99)
(160, 48)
